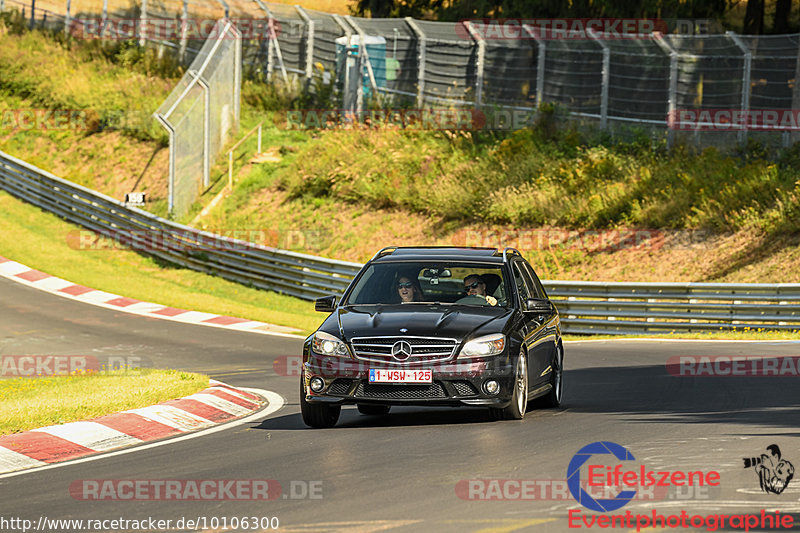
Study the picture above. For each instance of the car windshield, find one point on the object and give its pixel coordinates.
(442, 282)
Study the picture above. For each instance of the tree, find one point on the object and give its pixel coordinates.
(754, 18)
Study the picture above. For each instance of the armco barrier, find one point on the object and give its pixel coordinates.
(301, 275)
(585, 307)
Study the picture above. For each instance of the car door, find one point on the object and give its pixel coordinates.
(538, 342)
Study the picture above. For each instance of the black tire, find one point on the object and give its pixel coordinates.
(317, 415)
(519, 399)
(373, 410)
(553, 398)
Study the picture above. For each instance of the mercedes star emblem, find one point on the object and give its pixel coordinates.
(401, 350)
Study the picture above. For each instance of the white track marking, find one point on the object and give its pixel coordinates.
(172, 417)
(90, 435)
(219, 403)
(11, 460)
(276, 401)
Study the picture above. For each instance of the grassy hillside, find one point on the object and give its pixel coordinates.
(565, 197)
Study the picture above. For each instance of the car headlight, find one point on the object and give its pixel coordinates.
(484, 346)
(326, 344)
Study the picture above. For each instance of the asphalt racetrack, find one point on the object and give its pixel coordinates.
(418, 469)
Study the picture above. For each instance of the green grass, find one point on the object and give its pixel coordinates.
(30, 403)
(39, 240)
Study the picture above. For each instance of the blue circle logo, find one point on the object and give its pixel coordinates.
(574, 477)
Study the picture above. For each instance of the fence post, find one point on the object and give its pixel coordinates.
(795, 136)
(225, 7)
(347, 83)
(66, 17)
(33, 14)
(309, 42)
(672, 101)
(184, 31)
(273, 48)
(605, 75)
(206, 131)
(171, 182)
(540, 63)
(237, 74)
(746, 69)
(143, 24)
(420, 35)
(481, 56)
(362, 51)
(103, 18)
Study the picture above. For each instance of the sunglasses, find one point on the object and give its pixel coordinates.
(405, 285)
(473, 285)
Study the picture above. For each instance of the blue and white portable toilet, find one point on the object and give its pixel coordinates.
(376, 52)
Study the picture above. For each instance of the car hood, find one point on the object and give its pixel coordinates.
(452, 321)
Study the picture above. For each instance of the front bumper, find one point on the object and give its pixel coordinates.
(454, 384)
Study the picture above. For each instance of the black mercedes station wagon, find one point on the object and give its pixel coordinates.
(435, 326)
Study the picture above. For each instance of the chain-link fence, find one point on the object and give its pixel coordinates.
(200, 113)
(699, 89)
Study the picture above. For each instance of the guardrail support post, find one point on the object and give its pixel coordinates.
(33, 14)
(420, 35)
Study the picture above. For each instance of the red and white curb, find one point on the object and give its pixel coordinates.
(40, 280)
(52, 444)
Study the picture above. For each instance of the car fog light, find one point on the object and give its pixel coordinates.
(491, 387)
(317, 384)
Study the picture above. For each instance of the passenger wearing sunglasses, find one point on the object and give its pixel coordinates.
(407, 290)
(474, 286)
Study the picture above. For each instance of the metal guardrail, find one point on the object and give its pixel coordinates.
(300, 275)
(631, 307)
(585, 307)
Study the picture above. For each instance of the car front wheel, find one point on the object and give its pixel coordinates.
(519, 399)
(317, 415)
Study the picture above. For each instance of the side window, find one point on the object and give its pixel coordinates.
(519, 281)
(533, 279)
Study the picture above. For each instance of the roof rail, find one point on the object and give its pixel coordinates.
(383, 251)
(509, 251)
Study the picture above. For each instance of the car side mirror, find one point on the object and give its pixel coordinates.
(326, 304)
(538, 306)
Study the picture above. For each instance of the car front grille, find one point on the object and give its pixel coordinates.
(423, 349)
(400, 392)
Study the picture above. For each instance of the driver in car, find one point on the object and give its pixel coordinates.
(474, 286)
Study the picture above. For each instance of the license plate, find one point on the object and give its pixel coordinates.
(383, 375)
